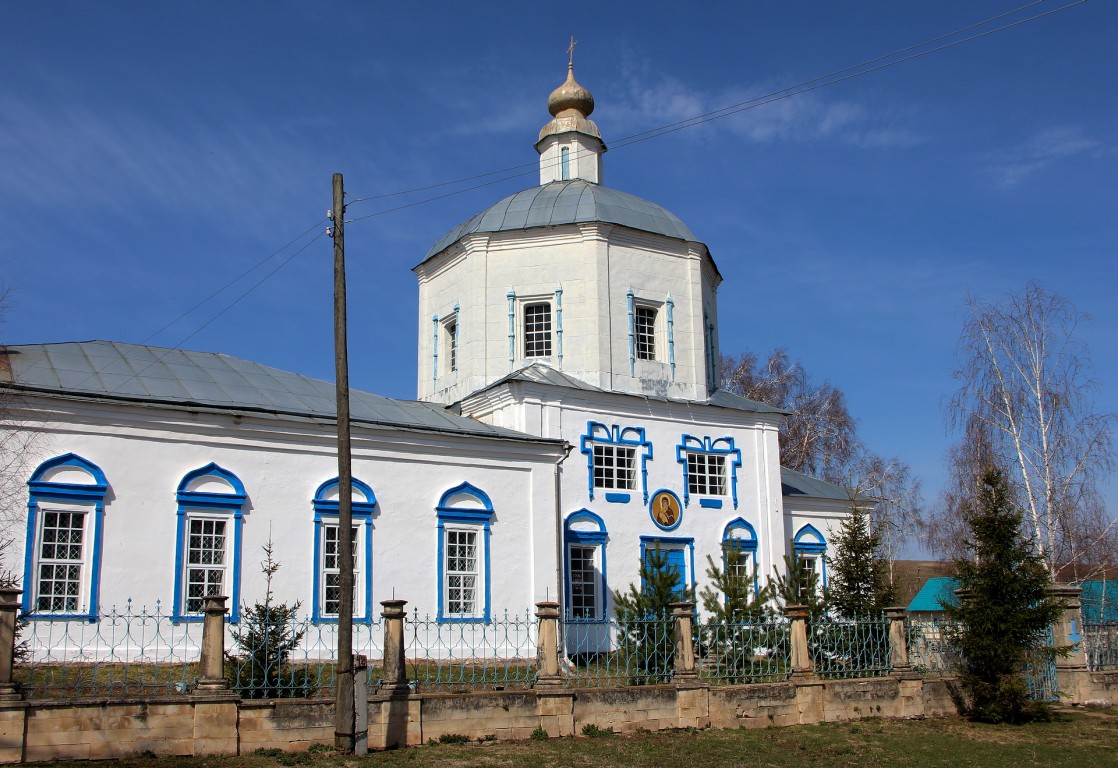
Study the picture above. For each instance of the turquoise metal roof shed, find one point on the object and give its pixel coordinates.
(934, 594)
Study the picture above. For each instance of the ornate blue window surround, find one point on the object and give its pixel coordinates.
(465, 517)
(633, 437)
(585, 538)
(739, 536)
(723, 446)
(211, 504)
(84, 494)
(809, 541)
(326, 512)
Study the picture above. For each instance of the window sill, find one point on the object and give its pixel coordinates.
(618, 498)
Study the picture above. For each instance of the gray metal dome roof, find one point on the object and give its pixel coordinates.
(569, 202)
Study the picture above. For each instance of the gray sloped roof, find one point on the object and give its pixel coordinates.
(569, 202)
(130, 372)
(539, 373)
(794, 483)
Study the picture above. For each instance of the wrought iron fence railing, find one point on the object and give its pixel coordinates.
(856, 647)
(1100, 641)
(930, 651)
(497, 654)
(752, 650)
(613, 653)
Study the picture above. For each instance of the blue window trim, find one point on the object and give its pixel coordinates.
(435, 347)
(597, 538)
(326, 512)
(742, 544)
(634, 437)
(559, 323)
(482, 518)
(511, 296)
(671, 334)
(685, 542)
(230, 503)
(632, 333)
(79, 493)
(802, 546)
(723, 446)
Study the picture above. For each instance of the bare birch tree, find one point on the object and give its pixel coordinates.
(1026, 391)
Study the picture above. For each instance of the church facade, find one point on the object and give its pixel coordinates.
(568, 423)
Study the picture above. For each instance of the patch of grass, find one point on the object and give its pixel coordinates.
(595, 732)
(539, 734)
(453, 738)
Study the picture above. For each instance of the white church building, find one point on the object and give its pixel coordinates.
(568, 421)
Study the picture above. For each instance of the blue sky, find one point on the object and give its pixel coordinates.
(151, 152)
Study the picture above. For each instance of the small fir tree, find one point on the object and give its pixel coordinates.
(859, 577)
(644, 617)
(1005, 610)
(798, 585)
(267, 636)
(733, 594)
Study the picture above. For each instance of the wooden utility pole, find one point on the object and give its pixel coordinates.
(344, 707)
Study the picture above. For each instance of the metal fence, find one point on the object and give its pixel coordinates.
(611, 653)
(498, 654)
(753, 650)
(843, 648)
(930, 651)
(137, 651)
(1100, 641)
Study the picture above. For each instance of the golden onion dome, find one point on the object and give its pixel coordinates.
(570, 96)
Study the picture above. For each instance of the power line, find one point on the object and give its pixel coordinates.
(829, 79)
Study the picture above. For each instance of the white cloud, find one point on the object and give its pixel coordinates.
(1012, 166)
(648, 100)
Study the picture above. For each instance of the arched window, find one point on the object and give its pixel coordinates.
(62, 559)
(208, 541)
(585, 537)
(327, 578)
(810, 549)
(465, 513)
(740, 538)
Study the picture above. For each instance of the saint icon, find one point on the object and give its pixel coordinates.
(665, 509)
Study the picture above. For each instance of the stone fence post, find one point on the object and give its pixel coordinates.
(9, 611)
(683, 623)
(1071, 670)
(394, 678)
(898, 640)
(547, 645)
(212, 675)
(800, 652)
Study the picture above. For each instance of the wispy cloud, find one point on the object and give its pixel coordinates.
(1012, 166)
(649, 99)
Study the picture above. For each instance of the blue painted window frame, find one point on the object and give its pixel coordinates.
(597, 539)
(632, 437)
(459, 518)
(209, 503)
(818, 549)
(722, 446)
(685, 543)
(326, 512)
(93, 493)
(742, 545)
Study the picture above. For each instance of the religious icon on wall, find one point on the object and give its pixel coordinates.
(664, 509)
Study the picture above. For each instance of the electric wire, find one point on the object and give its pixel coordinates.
(856, 70)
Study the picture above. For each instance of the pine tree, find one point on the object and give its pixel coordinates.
(859, 578)
(733, 594)
(739, 623)
(1005, 612)
(798, 585)
(267, 636)
(644, 617)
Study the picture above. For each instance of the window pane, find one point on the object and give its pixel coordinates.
(706, 474)
(537, 330)
(461, 573)
(614, 466)
(60, 562)
(331, 580)
(205, 561)
(584, 582)
(644, 333)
